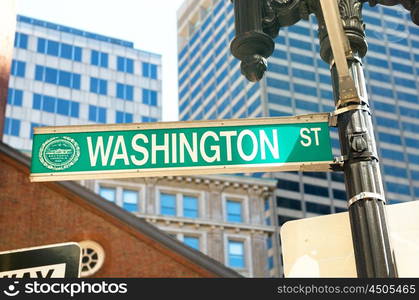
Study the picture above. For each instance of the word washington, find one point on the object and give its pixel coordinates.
(178, 147)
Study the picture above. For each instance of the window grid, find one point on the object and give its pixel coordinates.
(97, 114)
(12, 126)
(59, 49)
(56, 105)
(125, 64)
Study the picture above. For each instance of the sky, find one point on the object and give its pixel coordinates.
(149, 24)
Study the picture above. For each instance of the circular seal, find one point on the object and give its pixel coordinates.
(59, 153)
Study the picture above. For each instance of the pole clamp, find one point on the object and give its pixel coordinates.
(333, 117)
(365, 195)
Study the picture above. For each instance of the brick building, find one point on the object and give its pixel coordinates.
(115, 242)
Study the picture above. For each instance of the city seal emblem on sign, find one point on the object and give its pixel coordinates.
(59, 153)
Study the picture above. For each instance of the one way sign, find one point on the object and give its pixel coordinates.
(51, 261)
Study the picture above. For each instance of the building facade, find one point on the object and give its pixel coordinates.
(65, 76)
(229, 218)
(114, 242)
(298, 82)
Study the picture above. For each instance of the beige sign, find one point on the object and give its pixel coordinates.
(322, 246)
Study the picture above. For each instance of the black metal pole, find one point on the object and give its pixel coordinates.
(366, 200)
(373, 253)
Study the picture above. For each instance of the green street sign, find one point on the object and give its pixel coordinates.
(182, 148)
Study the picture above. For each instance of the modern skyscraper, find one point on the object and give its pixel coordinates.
(65, 76)
(298, 82)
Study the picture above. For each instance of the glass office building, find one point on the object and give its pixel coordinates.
(298, 82)
(65, 76)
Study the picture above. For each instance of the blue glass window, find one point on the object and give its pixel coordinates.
(124, 91)
(409, 112)
(288, 185)
(300, 30)
(63, 107)
(51, 75)
(379, 76)
(269, 242)
(402, 68)
(130, 200)
(21, 40)
(395, 171)
(411, 127)
(148, 119)
(18, 68)
(37, 101)
(279, 54)
(59, 49)
(190, 206)
(376, 48)
(372, 20)
(407, 97)
(304, 74)
(99, 59)
(41, 45)
(392, 154)
(64, 79)
(302, 59)
(278, 68)
(49, 104)
(98, 86)
(306, 105)
(383, 106)
(398, 188)
(382, 91)
(108, 193)
(149, 70)
(52, 48)
(234, 211)
(390, 138)
(405, 82)
(123, 117)
(54, 76)
(97, 114)
(125, 64)
(279, 84)
(316, 190)
(191, 241)
(303, 89)
(279, 99)
(15, 97)
(399, 53)
(378, 62)
(300, 44)
(66, 51)
(387, 122)
(412, 143)
(288, 203)
(339, 195)
(168, 204)
(12, 126)
(56, 105)
(415, 175)
(318, 208)
(236, 254)
(150, 97)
